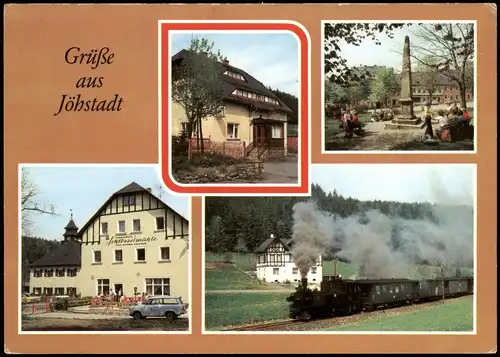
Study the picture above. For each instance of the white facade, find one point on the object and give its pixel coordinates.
(275, 265)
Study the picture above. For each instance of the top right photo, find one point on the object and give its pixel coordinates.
(399, 87)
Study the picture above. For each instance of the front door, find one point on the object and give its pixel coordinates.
(118, 290)
(260, 136)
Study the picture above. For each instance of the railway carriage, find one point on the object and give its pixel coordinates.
(343, 296)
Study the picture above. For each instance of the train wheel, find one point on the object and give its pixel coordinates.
(305, 316)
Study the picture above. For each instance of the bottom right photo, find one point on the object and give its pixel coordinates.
(374, 248)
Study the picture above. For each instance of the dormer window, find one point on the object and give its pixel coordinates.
(255, 96)
(235, 75)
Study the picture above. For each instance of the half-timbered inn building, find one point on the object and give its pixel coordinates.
(252, 116)
(275, 263)
(133, 244)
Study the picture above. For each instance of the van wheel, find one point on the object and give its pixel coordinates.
(137, 315)
(170, 316)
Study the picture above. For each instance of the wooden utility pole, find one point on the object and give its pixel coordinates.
(442, 279)
(335, 266)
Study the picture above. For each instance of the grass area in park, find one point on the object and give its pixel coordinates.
(451, 315)
(223, 310)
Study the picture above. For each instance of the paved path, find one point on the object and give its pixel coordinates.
(281, 171)
(71, 315)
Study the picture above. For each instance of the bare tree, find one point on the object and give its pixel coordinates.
(451, 46)
(429, 77)
(198, 85)
(29, 203)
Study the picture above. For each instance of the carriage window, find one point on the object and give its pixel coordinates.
(403, 287)
(384, 288)
(420, 285)
(396, 289)
(377, 289)
(390, 289)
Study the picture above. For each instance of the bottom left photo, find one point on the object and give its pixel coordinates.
(102, 248)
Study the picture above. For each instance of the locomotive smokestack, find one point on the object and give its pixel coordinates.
(304, 283)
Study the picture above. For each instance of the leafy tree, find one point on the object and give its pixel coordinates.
(336, 67)
(451, 46)
(198, 85)
(32, 249)
(384, 85)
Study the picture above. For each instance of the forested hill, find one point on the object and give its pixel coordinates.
(33, 248)
(242, 223)
(292, 102)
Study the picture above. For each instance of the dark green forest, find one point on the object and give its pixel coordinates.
(242, 223)
(33, 248)
(291, 101)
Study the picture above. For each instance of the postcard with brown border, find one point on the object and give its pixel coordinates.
(250, 178)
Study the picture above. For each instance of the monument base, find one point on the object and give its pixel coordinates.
(404, 123)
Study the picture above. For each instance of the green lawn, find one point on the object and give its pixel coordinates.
(452, 315)
(231, 280)
(243, 308)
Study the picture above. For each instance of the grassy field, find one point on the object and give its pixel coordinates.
(452, 315)
(223, 310)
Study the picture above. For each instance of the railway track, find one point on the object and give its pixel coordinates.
(266, 326)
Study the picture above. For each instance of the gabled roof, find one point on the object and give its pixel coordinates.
(251, 84)
(66, 254)
(133, 187)
(263, 247)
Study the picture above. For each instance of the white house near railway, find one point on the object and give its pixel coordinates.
(275, 263)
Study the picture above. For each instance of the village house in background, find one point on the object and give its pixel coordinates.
(444, 90)
(253, 119)
(134, 243)
(275, 263)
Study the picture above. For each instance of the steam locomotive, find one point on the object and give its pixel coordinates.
(339, 296)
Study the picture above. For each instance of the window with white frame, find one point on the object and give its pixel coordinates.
(59, 291)
(121, 226)
(136, 225)
(104, 228)
(48, 273)
(60, 272)
(37, 273)
(118, 256)
(184, 127)
(71, 272)
(221, 112)
(102, 286)
(48, 291)
(276, 271)
(295, 270)
(164, 253)
(233, 131)
(37, 291)
(140, 254)
(157, 286)
(313, 270)
(160, 223)
(97, 257)
(276, 132)
(70, 291)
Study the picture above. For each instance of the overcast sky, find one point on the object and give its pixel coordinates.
(270, 58)
(441, 183)
(84, 189)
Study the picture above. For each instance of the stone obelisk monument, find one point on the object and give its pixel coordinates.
(406, 118)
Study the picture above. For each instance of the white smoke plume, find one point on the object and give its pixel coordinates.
(389, 247)
(312, 235)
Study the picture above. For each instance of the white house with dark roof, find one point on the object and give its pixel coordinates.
(57, 272)
(251, 113)
(275, 263)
